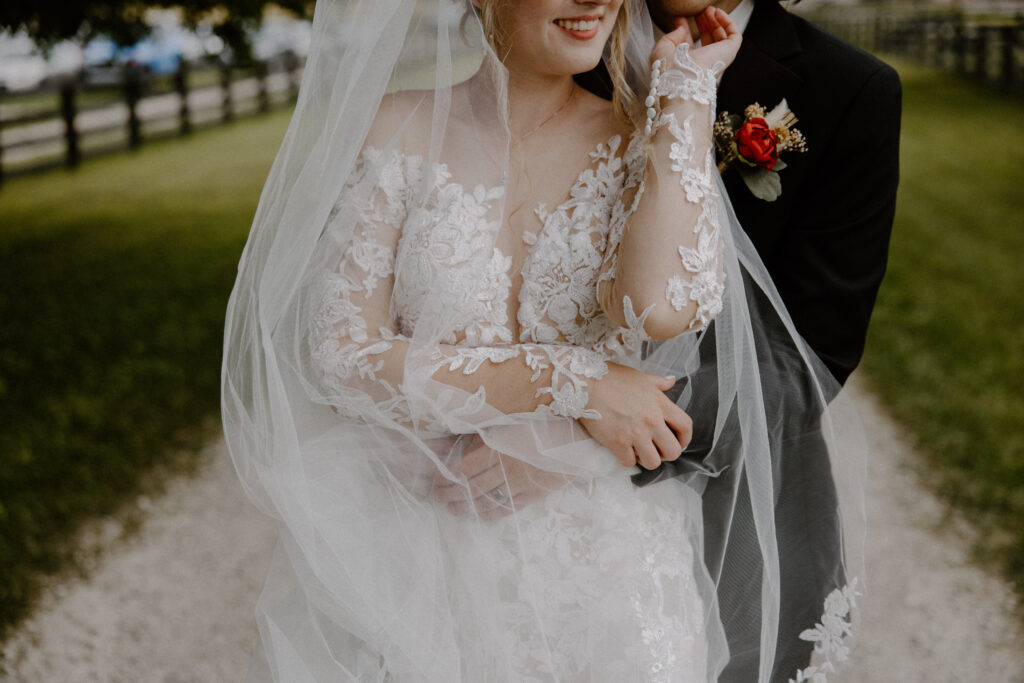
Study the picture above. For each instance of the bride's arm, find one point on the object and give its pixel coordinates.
(363, 360)
(664, 256)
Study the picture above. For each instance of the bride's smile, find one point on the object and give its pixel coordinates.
(580, 28)
(552, 37)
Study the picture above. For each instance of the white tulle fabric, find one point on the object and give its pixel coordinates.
(367, 335)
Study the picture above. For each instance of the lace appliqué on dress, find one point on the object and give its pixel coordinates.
(564, 582)
(688, 81)
(829, 634)
(443, 262)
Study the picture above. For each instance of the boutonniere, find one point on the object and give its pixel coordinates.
(752, 144)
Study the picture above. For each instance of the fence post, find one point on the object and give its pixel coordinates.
(1007, 47)
(918, 38)
(181, 86)
(132, 95)
(933, 41)
(68, 112)
(227, 106)
(261, 79)
(981, 53)
(959, 45)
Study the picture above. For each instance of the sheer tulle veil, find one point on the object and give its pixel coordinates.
(374, 581)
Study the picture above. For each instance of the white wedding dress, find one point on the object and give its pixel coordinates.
(615, 566)
(398, 303)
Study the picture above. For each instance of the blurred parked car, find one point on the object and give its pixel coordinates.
(159, 54)
(163, 50)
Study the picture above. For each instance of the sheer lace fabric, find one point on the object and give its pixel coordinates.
(616, 566)
(443, 251)
(384, 310)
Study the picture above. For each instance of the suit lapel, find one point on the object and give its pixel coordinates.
(766, 70)
(763, 70)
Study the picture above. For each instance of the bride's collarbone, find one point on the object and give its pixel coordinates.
(544, 171)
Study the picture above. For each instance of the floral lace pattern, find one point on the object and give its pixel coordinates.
(653, 629)
(688, 80)
(446, 245)
(418, 247)
(829, 635)
(437, 250)
(704, 286)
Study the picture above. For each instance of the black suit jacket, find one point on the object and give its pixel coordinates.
(825, 240)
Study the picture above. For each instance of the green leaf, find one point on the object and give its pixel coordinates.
(742, 159)
(780, 165)
(764, 184)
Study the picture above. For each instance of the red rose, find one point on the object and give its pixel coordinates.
(756, 142)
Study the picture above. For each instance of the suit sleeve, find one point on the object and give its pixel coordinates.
(831, 261)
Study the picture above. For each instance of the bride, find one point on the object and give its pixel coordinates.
(459, 247)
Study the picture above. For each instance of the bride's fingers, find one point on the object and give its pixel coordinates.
(482, 503)
(476, 464)
(679, 422)
(477, 507)
(647, 455)
(485, 482)
(705, 26)
(683, 32)
(728, 28)
(668, 445)
(454, 491)
(716, 26)
(624, 454)
(712, 24)
(680, 34)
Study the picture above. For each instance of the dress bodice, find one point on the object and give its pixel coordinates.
(448, 257)
(421, 259)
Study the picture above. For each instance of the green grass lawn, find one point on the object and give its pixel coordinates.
(946, 346)
(113, 284)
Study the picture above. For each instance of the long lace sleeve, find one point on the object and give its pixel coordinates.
(664, 251)
(360, 346)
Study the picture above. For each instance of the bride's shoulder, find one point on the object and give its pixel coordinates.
(402, 121)
(598, 116)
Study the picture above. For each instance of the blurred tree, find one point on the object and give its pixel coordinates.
(124, 20)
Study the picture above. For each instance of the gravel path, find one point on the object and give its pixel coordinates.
(174, 603)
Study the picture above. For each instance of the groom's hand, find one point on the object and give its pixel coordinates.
(497, 484)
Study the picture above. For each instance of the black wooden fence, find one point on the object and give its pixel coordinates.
(63, 123)
(988, 48)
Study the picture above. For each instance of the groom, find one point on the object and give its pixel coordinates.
(824, 242)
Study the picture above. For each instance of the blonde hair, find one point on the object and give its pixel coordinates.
(623, 98)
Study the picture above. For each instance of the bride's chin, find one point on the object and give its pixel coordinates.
(582, 64)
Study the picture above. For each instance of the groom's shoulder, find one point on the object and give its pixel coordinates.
(831, 59)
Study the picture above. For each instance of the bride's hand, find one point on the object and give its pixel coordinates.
(719, 37)
(638, 424)
(486, 470)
